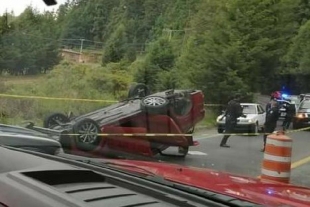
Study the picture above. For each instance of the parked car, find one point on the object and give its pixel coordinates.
(302, 118)
(295, 99)
(29, 179)
(252, 123)
(21, 137)
(170, 111)
(304, 96)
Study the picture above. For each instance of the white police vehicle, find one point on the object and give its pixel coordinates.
(252, 123)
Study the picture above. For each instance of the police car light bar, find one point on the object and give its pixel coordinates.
(284, 96)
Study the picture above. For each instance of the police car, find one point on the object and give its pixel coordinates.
(285, 102)
(252, 123)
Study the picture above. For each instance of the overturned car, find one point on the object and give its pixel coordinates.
(162, 114)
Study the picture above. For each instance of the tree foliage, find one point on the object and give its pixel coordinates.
(217, 46)
(29, 44)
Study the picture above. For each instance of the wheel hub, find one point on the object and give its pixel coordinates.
(154, 101)
(88, 133)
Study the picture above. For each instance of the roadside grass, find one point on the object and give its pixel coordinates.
(67, 80)
(21, 80)
(210, 119)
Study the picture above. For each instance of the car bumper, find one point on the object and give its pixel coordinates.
(244, 127)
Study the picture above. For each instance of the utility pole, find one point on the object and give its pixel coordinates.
(81, 50)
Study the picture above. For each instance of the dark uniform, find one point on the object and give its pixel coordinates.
(233, 112)
(272, 116)
(290, 113)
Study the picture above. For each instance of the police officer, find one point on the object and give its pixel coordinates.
(233, 112)
(272, 116)
(290, 113)
(273, 100)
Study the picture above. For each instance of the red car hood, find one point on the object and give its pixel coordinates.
(249, 189)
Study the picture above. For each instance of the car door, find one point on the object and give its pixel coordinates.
(282, 108)
(261, 115)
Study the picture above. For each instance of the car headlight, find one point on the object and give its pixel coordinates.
(302, 115)
(247, 120)
(220, 118)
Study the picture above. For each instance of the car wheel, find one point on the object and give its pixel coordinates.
(220, 131)
(54, 120)
(139, 90)
(255, 129)
(86, 134)
(155, 105)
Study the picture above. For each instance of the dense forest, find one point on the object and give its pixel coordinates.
(217, 46)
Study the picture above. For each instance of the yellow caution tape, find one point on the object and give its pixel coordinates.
(71, 99)
(184, 135)
(134, 135)
(213, 105)
(54, 98)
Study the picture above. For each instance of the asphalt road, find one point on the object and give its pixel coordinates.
(244, 157)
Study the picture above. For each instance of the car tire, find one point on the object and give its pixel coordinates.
(86, 126)
(155, 105)
(138, 90)
(220, 131)
(52, 120)
(255, 129)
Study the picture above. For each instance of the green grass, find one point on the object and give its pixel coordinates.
(67, 80)
(21, 80)
(210, 119)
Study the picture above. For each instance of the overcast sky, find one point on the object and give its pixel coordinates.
(18, 6)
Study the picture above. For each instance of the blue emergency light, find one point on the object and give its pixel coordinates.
(284, 96)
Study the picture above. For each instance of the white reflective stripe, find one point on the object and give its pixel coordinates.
(277, 158)
(276, 174)
(279, 143)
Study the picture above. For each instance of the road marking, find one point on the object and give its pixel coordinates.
(196, 153)
(300, 162)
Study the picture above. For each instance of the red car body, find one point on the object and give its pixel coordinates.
(265, 193)
(135, 126)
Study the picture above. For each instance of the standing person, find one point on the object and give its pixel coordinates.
(272, 116)
(233, 112)
(269, 104)
(290, 113)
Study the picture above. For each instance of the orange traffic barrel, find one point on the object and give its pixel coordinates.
(277, 158)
